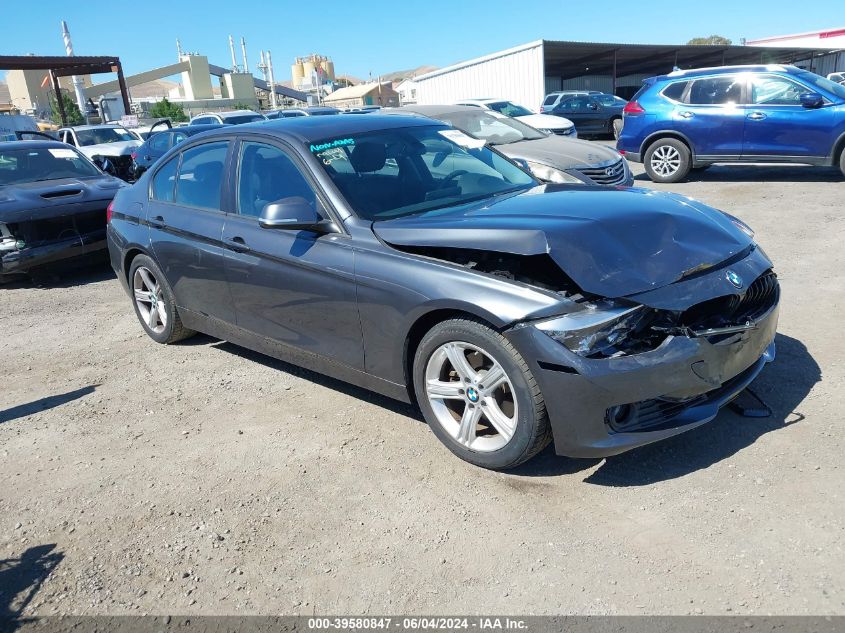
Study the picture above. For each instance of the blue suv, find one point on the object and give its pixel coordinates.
(690, 119)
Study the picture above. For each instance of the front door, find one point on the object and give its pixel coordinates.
(186, 226)
(294, 287)
(778, 125)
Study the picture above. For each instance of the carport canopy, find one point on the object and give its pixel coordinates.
(568, 60)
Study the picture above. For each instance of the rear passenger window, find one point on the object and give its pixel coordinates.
(675, 91)
(201, 176)
(164, 181)
(716, 91)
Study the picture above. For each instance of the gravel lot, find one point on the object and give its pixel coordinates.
(202, 478)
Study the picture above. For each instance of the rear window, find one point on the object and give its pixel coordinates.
(646, 85)
(550, 99)
(674, 91)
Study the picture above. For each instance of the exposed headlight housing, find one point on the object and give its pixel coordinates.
(550, 174)
(597, 330)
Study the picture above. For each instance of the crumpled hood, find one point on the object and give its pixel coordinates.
(119, 148)
(50, 198)
(560, 152)
(611, 242)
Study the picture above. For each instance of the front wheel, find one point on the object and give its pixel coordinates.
(154, 304)
(667, 160)
(479, 396)
(842, 161)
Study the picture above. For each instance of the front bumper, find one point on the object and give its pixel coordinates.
(22, 260)
(678, 386)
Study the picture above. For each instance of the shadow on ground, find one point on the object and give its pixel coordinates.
(758, 173)
(68, 276)
(20, 580)
(42, 404)
(783, 385)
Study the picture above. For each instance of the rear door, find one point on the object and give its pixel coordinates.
(711, 115)
(778, 125)
(185, 215)
(294, 287)
(579, 111)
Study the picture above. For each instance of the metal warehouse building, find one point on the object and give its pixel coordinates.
(524, 74)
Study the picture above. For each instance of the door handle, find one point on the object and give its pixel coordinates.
(158, 222)
(756, 116)
(686, 114)
(237, 244)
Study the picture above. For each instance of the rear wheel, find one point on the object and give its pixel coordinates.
(667, 160)
(842, 161)
(154, 304)
(479, 396)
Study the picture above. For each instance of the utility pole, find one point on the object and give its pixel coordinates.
(232, 51)
(77, 81)
(243, 52)
(272, 81)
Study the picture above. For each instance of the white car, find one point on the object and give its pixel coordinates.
(837, 77)
(108, 141)
(544, 122)
(232, 117)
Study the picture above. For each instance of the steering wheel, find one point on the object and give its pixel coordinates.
(451, 176)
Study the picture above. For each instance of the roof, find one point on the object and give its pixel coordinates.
(567, 59)
(759, 68)
(7, 145)
(309, 129)
(822, 35)
(356, 92)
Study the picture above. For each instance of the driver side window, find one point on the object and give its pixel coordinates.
(266, 174)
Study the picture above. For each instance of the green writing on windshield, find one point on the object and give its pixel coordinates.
(331, 144)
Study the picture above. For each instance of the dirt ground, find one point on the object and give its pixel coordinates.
(204, 479)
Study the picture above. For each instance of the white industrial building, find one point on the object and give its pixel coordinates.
(524, 74)
(833, 39)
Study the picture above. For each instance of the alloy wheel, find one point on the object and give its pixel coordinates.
(665, 160)
(471, 396)
(149, 299)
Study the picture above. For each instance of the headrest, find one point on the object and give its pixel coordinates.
(368, 157)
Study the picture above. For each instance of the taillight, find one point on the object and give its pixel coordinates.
(632, 107)
(109, 212)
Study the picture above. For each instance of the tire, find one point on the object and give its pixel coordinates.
(616, 128)
(508, 424)
(146, 278)
(842, 161)
(667, 160)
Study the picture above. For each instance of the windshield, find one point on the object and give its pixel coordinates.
(492, 127)
(609, 100)
(33, 165)
(825, 84)
(243, 118)
(393, 173)
(509, 109)
(100, 135)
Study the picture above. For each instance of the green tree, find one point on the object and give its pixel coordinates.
(164, 109)
(74, 116)
(713, 40)
(242, 106)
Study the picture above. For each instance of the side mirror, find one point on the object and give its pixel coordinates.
(811, 99)
(293, 214)
(105, 164)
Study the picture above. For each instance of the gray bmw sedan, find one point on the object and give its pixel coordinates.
(402, 255)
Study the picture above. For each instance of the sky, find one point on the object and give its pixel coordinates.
(381, 36)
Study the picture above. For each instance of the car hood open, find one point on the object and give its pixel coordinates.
(561, 152)
(611, 242)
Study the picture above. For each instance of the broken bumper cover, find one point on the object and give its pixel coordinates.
(672, 389)
(22, 260)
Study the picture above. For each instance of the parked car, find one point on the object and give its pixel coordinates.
(297, 112)
(838, 78)
(233, 117)
(596, 114)
(549, 157)
(401, 255)
(97, 142)
(691, 119)
(160, 142)
(53, 203)
(543, 122)
(554, 98)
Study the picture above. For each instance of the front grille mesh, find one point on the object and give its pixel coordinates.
(608, 175)
(735, 309)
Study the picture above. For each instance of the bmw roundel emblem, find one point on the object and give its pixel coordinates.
(736, 280)
(472, 395)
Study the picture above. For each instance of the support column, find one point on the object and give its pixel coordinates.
(60, 104)
(124, 92)
(613, 89)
